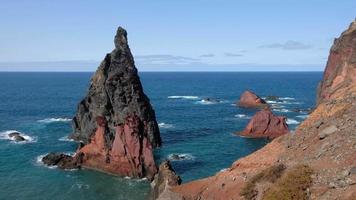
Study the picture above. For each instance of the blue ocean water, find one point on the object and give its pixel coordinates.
(40, 105)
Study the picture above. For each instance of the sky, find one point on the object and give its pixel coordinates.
(172, 35)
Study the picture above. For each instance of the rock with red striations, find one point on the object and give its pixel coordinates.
(340, 69)
(264, 124)
(249, 99)
(115, 121)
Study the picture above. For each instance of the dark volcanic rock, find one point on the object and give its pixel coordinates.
(62, 161)
(165, 179)
(16, 136)
(340, 68)
(115, 120)
(249, 99)
(265, 124)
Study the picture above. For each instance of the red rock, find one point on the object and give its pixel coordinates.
(340, 69)
(265, 124)
(130, 154)
(249, 99)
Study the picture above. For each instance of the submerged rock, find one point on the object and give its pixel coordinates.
(163, 181)
(16, 136)
(115, 121)
(249, 99)
(264, 124)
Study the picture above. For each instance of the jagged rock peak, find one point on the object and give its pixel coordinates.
(115, 120)
(121, 38)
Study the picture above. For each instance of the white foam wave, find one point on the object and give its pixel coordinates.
(302, 116)
(164, 125)
(51, 120)
(65, 139)
(205, 102)
(39, 162)
(242, 116)
(287, 98)
(292, 121)
(270, 101)
(183, 97)
(180, 157)
(28, 139)
(282, 110)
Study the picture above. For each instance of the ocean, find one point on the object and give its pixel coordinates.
(41, 105)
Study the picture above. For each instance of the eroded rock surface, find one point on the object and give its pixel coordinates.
(325, 142)
(165, 179)
(264, 124)
(115, 123)
(248, 99)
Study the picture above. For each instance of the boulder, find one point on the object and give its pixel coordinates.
(61, 160)
(249, 99)
(264, 124)
(16, 136)
(115, 121)
(165, 179)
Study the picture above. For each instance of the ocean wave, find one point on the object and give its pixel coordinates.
(164, 125)
(183, 97)
(180, 157)
(28, 139)
(287, 98)
(242, 116)
(281, 110)
(292, 121)
(272, 102)
(205, 102)
(51, 120)
(66, 139)
(302, 116)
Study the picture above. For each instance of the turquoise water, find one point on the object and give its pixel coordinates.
(40, 105)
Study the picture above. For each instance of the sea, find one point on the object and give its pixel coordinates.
(201, 133)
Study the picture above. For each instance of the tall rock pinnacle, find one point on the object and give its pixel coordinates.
(115, 120)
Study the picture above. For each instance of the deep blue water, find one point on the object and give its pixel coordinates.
(204, 133)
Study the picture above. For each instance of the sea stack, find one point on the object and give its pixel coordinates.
(264, 124)
(249, 99)
(115, 121)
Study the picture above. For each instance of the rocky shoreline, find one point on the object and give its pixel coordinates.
(318, 160)
(117, 130)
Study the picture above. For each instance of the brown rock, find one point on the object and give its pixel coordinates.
(249, 99)
(165, 179)
(340, 69)
(264, 124)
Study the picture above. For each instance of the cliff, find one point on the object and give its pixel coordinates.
(316, 162)
(115, 121)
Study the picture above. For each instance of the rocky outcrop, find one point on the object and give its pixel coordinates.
(248, 99)
(340, 68)
(115, 121)
(16, 136)
(323, 146)
(62, 161)
(165, 179)
(264, 124)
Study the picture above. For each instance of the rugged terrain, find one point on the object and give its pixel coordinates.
(318, 161)
(115, 122)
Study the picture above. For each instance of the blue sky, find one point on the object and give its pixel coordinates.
(172, 35)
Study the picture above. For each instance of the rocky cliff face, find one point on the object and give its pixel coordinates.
(340, 69)
(115, 120)
(316, 162)
(264, 124)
